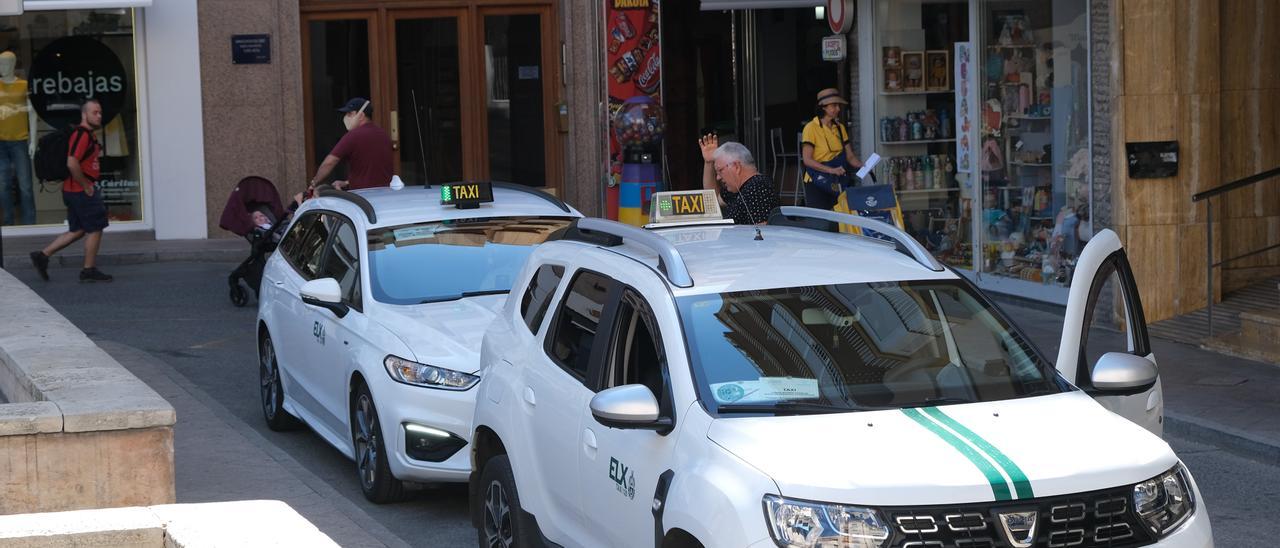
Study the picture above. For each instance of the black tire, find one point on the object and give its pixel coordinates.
(376, 481)
(239, 295)
(502, 521)
(271, 389)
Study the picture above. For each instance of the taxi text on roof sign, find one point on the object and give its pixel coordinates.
(686, 206)
(466, 195)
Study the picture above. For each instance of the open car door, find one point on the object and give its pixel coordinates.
(1105, 349)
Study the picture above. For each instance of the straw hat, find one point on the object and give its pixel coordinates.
(829, 96)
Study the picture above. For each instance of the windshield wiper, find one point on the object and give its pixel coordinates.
(930, 402)
(464, 295)
(785, 407)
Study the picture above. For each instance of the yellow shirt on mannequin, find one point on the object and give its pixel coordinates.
(13, 110)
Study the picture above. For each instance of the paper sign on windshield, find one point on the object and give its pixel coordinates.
(766, 389)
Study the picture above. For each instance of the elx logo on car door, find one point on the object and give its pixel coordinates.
(318, 331)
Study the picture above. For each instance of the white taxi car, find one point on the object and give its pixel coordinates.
(371, 316)
(785, 386)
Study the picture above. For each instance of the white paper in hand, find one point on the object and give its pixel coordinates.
(868, 165)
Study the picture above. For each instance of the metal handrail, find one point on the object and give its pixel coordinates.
(1209, 264)
(1221, 189)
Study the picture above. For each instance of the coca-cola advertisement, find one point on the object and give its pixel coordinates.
(634, 61)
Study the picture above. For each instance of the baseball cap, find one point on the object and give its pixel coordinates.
(355, 104)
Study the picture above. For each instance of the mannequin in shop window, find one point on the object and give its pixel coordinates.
(17, 126)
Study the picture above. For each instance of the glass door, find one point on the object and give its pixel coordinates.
(340, 64)
(427, 105)
(519, 79)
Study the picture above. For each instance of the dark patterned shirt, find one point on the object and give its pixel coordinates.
(752, 203)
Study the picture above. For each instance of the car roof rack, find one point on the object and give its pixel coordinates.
(905, 243)
(608, 233)
(534, 191)
(327, 191)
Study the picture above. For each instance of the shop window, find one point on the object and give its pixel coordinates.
(915, 126)
(1033, 145)
(50, 62)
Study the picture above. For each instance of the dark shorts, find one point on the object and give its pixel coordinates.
(84, 212)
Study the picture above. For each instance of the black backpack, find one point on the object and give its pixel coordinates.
(52, 151)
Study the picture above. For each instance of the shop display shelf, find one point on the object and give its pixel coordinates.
(921, 142)
(926, 92)
(928, 190)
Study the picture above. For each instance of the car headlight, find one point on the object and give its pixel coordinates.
(804, 524)
(430, 376)
(1165, 501)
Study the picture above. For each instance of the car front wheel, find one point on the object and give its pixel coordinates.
(272, 391)
(502, 523)
(376, 481)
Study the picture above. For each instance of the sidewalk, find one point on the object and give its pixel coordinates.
(1230, 402)
(127, 248)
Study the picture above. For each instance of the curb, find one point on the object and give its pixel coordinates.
(75, 260)
(1232, 440)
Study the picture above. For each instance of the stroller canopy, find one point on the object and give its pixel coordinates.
(251, 193)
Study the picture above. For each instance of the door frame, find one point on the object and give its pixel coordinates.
(375, 72)
(381, 17)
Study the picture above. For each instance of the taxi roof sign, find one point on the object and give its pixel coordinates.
(685, 207)
(466, 195)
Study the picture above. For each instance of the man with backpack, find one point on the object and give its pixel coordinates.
(86, 209)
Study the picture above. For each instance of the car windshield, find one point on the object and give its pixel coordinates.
(857, 346)
(448, 260)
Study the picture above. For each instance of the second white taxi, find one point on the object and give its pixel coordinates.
(371, 315)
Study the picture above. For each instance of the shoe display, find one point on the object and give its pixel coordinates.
(94, 275)
(41, 262)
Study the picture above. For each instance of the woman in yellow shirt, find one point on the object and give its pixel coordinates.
(828, 157)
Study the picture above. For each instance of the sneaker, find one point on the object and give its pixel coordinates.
(93, 275)
(41, 262)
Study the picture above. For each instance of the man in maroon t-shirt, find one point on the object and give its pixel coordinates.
(366, 149)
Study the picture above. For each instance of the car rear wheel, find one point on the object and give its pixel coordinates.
(502, 522)
(376, 481)
(272, 391)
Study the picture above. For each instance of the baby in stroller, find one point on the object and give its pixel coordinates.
(253, 212)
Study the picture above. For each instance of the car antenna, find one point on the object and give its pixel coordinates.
(759, 236)
(422, 156)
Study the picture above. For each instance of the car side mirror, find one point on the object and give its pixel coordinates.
(631, 406)
(324, 293)
(1122, 372)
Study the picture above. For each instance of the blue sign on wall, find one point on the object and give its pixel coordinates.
(250, 49)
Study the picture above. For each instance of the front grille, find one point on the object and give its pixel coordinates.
(1086, 520)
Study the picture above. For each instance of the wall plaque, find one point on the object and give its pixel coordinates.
(1152, 160)
(250, 49)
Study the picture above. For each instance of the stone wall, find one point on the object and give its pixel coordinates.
(253, 114)
(1202, 73)
(82, 432)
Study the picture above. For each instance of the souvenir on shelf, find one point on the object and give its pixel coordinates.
(913, 70)
(939, 70)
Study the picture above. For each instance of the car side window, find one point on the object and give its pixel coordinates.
(342, 260)
(537, 298)
(291, 243)
(635, 354)
(576, 323)
(311, 248)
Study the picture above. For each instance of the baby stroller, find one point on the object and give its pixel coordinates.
(253, 198)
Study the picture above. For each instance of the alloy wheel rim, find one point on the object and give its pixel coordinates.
(497, 518)
(366, 441)
(269, 376)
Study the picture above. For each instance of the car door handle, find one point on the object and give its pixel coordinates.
(589, 445)
(528, 397)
